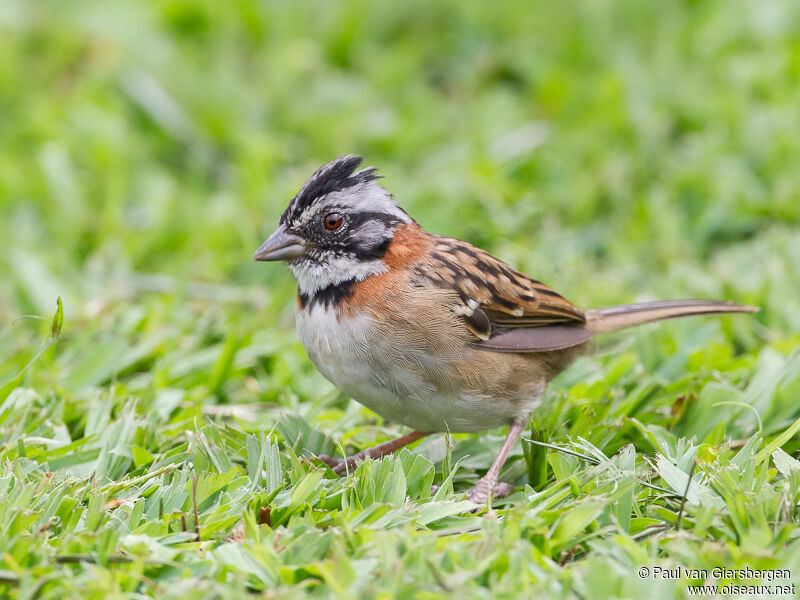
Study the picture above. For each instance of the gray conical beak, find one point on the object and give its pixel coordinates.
(281, 245)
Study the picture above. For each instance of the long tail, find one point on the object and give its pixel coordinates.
(612, 318)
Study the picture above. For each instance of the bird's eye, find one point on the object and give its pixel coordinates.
(332, 221)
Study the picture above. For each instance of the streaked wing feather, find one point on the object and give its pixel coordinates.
(504, 309)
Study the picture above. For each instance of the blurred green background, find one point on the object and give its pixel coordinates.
(618, 151)
(615, 150)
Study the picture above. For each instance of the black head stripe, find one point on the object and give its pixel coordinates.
(337, 175)
(358, 219)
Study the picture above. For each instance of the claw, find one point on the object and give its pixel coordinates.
(337, 465)
(501, 490)
(482, 491)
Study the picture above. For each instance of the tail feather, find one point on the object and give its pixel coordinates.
(612, 318)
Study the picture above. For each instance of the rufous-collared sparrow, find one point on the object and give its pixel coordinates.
(425, 330)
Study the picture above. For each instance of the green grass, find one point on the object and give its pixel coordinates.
(618, 151)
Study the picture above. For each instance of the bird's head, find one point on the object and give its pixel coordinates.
(336, 228)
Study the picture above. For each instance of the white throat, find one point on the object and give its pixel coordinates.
(312, 277)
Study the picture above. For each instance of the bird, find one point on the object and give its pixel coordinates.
(429, 331)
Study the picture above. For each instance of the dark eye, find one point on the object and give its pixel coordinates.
(332, 221)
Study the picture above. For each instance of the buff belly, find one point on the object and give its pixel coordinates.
(402, 383)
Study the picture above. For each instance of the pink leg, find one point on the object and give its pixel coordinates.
(340, 465)
(486, 484)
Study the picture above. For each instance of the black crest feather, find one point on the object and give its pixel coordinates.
(337, 175)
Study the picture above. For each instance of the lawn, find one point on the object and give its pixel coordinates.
(157, 434)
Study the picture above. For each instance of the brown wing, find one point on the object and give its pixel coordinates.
(506, 310)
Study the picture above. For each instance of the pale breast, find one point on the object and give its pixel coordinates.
(416, 368)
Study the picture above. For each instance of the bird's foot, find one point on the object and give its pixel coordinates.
(337, 465)
(340, 465)
(486, 488)
(501, 489)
